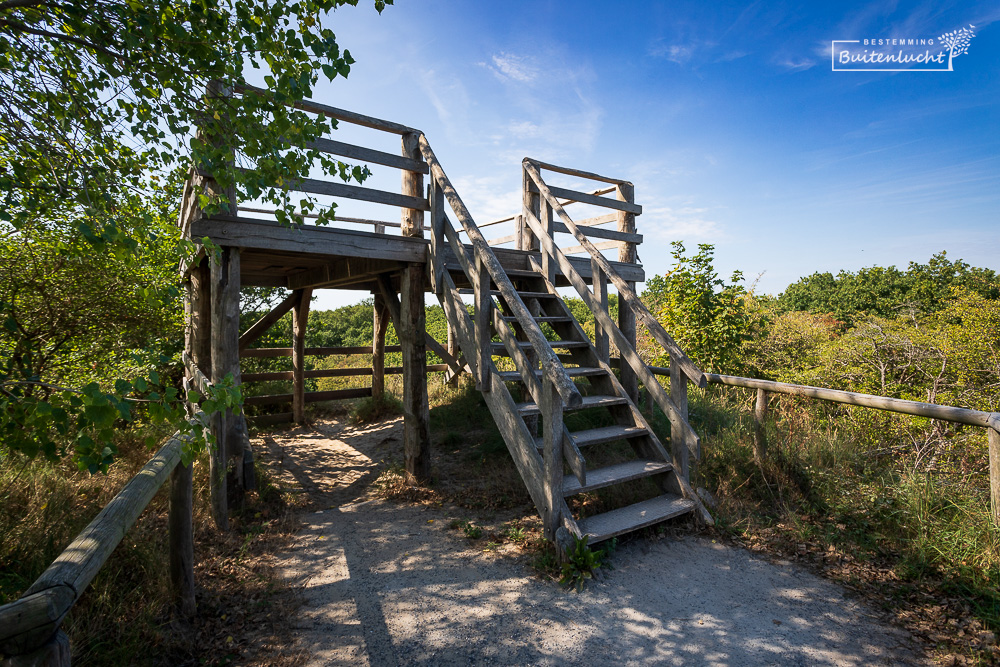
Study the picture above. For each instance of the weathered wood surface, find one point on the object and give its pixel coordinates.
(380, 325)
(679, 445)
(608, 325)
(917, 408)
(549, 362)
(358, 193)
(569, 171)
(300, 320)
(416, 410)
(602, 344)
(335, 113)
(482, 317)
(993, 438)
(584, 198)
(266, 322)
(180, 535)
(626, 294)
(598, 233)
(412, 219)
(627, 316)
(369, 155)
(552, 434)
(604, 245)
(310, 396)
(313, 351)
(225, 269)
(759, 424)
(27, 623)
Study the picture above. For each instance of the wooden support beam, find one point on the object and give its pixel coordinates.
(416, 413)
(483, 315)
(600, 285)
(626, 316)
(679, 448)
(266, 322)
(299, 323)
(993, 436)
(413, 189)
(380, 325)
(225, 270)
(552, 433)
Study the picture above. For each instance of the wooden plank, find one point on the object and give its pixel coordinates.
(597, 436)
(335, 113)
(576, 172)
(626, 293)
(266, 322)
(310, 240)
(342, 271)
(529, 408)
(313, 351)
(605, 245)
(614, 474)
(549, 362)
(598, 220)
(359, 193)
(625, 519)
(584, 198)
(367, 155)
(310, 396)
(598, 233)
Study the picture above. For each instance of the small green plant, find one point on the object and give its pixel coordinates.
(581, 563)
(472, 531)
(515, 534)
(373, 409)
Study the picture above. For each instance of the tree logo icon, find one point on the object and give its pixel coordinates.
(957, 42)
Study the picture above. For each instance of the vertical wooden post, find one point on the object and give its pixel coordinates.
(994, 444)
(482, 315)
(380, 325)
(416, 413)
(678, 444)
(759, 434)
(300, 319)
(531, 199)
(626, 316)
(600, 285)
(225, 271)
(552, 431)
(53, 653)
(548, 262)
(181, 540)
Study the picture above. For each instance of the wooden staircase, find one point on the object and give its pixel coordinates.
(537, 368)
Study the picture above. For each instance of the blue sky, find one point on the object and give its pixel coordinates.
(727, 117)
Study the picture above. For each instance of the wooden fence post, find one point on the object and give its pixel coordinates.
(552, 430)
(600, 285)
(181, 540)
(626, 316)
(54, 653)
(380, 325)
(678, 444)
(759, 421)
(545, 217)
(532, 201)
(300, 319)
(994, 444)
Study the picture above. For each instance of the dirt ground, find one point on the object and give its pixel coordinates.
(390, 583)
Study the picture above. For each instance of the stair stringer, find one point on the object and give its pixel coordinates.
(516, 436)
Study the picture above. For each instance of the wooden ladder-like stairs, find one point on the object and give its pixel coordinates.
(644, 457)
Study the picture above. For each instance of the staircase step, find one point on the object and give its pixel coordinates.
(616, 474)
(524, 345)
(573, 372)
(543, 318)
(529, 408)
(524, 295)
(605, 526)
(522, 273)
(596, 436)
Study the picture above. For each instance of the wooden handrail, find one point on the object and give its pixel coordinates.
(625, 292)
(32, 621)
(902, 406)
(550, 364)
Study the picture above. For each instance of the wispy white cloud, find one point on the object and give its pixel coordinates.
(683, 223)
(507, 66)
(675, 53)
(795, 64)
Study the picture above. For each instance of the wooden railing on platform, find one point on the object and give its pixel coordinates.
(30, 627)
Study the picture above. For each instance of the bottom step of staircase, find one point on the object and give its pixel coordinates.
(605, 526)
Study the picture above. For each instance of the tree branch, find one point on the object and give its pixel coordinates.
(20, 27)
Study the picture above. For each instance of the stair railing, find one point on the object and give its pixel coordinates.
(684, 440)
(554, 390)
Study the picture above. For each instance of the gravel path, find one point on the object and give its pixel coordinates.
(389, 584)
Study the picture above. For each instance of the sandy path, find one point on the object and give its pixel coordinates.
(387, 584)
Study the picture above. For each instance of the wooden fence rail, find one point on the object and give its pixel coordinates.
(30, 627)
(988, 420)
